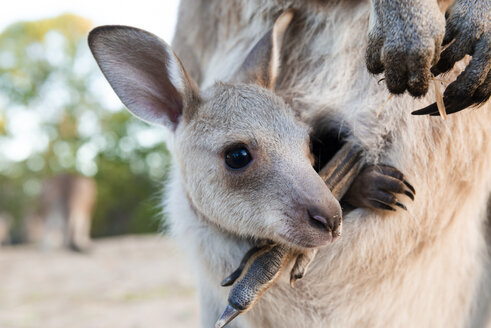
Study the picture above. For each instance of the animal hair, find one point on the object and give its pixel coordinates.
(419, 268)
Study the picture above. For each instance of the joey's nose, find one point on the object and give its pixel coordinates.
(331, 222)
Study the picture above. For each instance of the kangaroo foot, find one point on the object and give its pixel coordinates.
(254, 251)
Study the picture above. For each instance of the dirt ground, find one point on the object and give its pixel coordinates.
(123, 282)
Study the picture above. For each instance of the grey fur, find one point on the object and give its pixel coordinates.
(415, 268)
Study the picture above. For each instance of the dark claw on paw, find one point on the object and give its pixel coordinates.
(409, 194)
(426, 110)
(231, 279)
(401, 205)
(450, 107)
(382, 206)
(410, 188)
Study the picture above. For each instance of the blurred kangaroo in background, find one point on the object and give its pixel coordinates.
(5, 226)
(242, 166)
(65, 216)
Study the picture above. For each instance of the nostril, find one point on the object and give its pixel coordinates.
(327, 222)
(319, 218)
(313, 214)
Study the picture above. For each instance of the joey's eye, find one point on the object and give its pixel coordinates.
(237, 157)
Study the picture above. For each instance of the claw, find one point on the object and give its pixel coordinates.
(455, 106)
(410, 187)
(232, 278)
(383, 206)
(452, 105)
(409, 194)
(228, 315)
(401, 205)
(294, 277)
(431, 109)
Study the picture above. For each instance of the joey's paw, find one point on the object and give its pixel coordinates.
(404, 41)
(468, 31)
(376, 186)
(301, 265)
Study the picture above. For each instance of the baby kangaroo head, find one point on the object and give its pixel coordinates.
(243, 157)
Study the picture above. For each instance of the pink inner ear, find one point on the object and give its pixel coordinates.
(173, 101)
(159, 109)
(147, 92)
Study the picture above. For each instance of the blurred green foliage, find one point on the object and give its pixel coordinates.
(58, 115)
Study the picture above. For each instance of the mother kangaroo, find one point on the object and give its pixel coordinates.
(418, 268)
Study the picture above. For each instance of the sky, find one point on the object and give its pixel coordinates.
(156, 16)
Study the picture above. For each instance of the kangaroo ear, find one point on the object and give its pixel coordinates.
(262, 64)
(145, 73)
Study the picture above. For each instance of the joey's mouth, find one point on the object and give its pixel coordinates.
(310, 234)
(313, 239)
